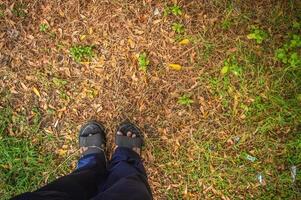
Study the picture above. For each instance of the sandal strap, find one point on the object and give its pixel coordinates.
(91, 140)
(129, 142)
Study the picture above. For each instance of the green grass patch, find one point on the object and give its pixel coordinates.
(81, 53)
(22, 167)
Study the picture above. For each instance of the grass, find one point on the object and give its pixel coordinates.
(21, 163)
(223, 124)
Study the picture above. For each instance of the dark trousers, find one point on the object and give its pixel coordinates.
(123, 178)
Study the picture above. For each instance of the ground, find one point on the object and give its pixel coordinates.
(214, 85)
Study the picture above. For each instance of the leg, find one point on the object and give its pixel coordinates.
(79, 185)
(125, 162)
(83, 183)
(127, 178)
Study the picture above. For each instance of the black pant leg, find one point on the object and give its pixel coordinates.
(82, 184)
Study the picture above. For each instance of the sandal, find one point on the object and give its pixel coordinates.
(92, 135)
(129, 142)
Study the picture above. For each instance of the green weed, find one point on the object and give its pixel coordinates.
(288, 54)
(258, 35)
(2, 8)
(296, 25)
(19, 10)
(185, 100)
(175, 10)
(81, 53)
(143, 61)
(231, 66)
(178, 28)
(59, 83)
(44, 27)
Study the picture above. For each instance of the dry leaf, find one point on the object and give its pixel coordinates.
(157, 21)
(23, 85)
(176, 67)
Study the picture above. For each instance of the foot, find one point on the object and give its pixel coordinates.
(129, 135)
(92, 138)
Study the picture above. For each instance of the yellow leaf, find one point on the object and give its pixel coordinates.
(82, 37)
(62, 152)
(36, 91)
(184, 42)
(225, 70)
(131, 43)
(90, 30)
(62, 14)
(175, 66)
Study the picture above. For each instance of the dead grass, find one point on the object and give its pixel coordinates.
(191, 151)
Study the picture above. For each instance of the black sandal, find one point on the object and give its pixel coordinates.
(129, 142)
(93, 136)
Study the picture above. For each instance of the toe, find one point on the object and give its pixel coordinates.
(129, 134)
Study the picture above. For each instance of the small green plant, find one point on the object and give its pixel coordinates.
(43, 27)
(19, 10)
(81, 53)
(185, 100)
(258, 35)
(178, 28)
(231, 65)
(175, 10)
(2, 8)
(296, 25)
(143, 61)
(59, 82)
(288, 53)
